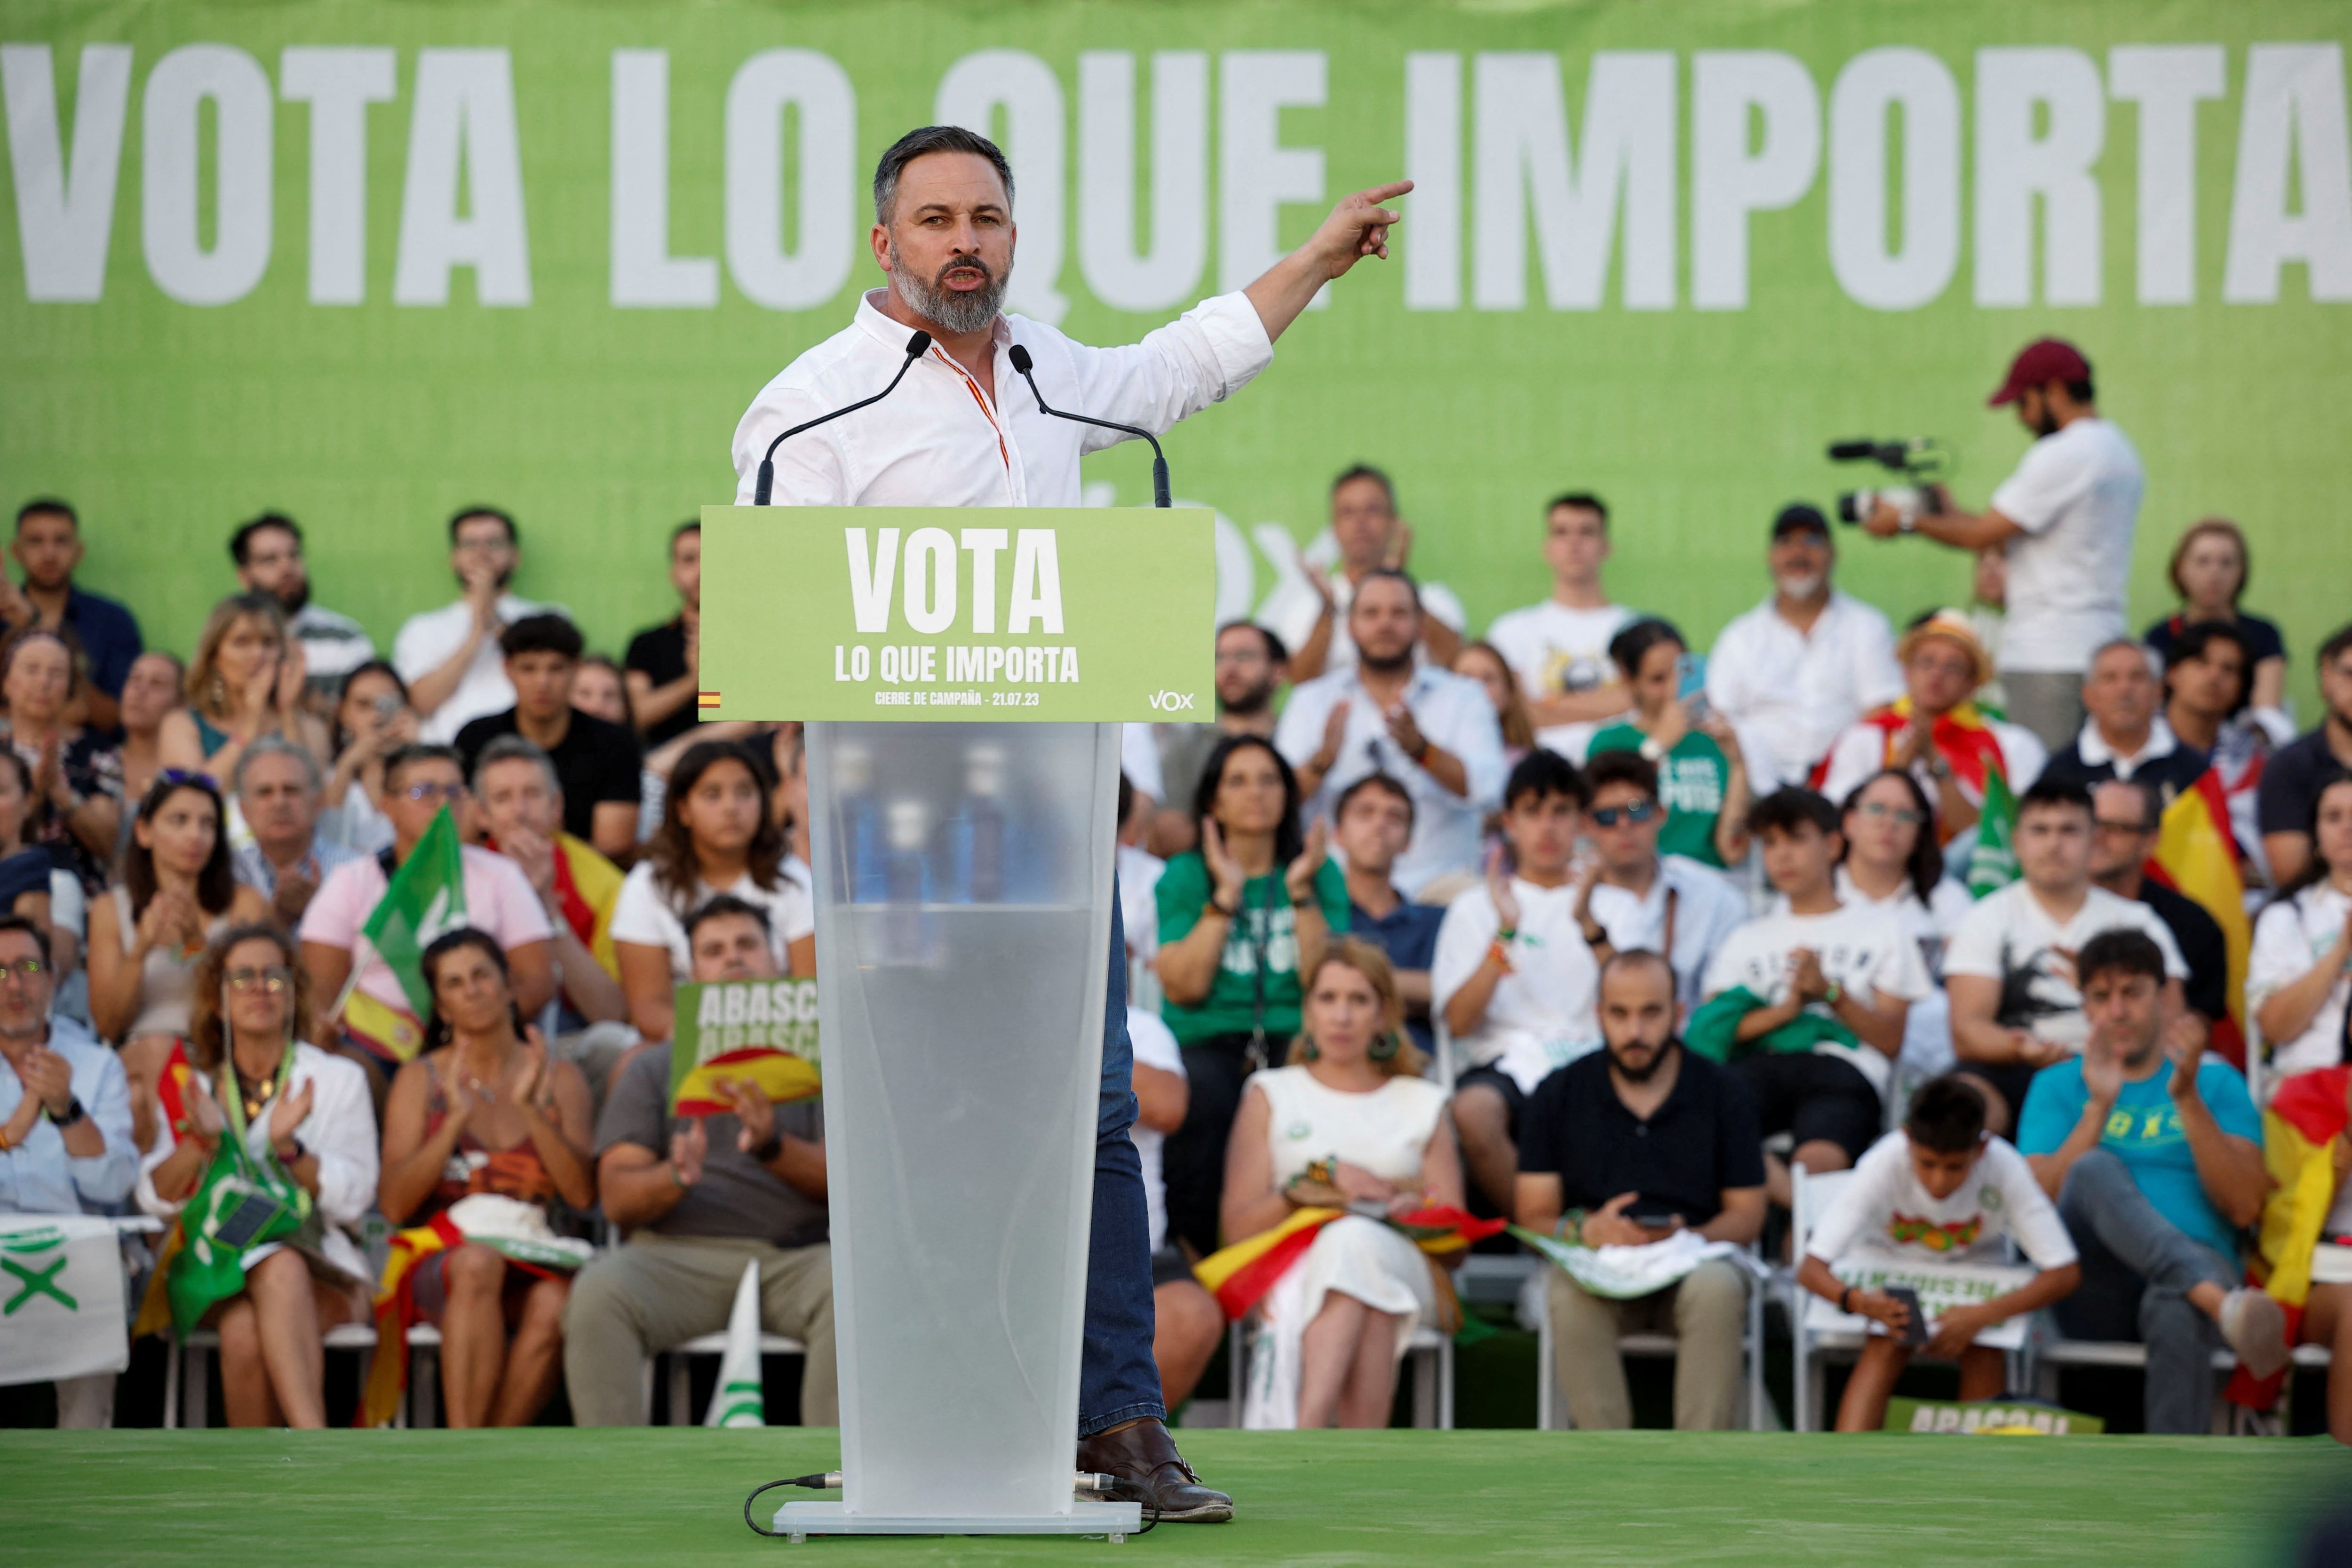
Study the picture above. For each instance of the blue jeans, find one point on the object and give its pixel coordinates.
(1118, 1379)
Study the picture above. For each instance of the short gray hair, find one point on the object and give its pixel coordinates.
(915, 143)
(515, 749)
(314, 778)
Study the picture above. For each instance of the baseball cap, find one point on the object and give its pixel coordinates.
(2039, 363)
(1798, 517)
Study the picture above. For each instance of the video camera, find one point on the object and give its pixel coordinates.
(1922, 460)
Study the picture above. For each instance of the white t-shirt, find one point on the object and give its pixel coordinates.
(1859, 951)
(1554, 649)
(429, 637)
(1155, 1047)
(1541, 1013)
(645, 915)
(2076, 495)
(1930, 923)
(1799, 689)
(1707, 910)
(2011, 938)
(1883, 1207)
(2290, 940)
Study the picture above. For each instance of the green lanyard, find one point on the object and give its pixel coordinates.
(232, 1104)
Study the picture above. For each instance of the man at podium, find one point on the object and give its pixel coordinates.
(953, 433)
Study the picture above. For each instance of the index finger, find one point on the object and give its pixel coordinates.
(1389, 191)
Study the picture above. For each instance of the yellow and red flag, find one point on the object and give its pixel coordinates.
(1239, 1276)
(2196, 856)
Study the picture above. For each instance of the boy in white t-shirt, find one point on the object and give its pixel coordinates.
(1828, 988)
(1187, 1323)
(1559, 648)
(1943, 1190)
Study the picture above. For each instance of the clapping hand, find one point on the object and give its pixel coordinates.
(529, 1083)
(2103, 1068)
(288, 1115)
(690, 1145)
(1498, 890)
(48, 1079)
(1226, 879)
(1405, 733)
(1806, 981)
(752, 1109)
(1299, 878)
(2184, 1047)
(1335, 736)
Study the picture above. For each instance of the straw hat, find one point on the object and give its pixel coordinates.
(1953, 628)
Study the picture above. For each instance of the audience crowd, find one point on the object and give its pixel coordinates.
(1574, 924)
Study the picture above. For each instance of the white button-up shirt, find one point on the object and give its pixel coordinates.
(939, 440)
(39, 1176)
(1799, 690)
(425, 642)
(1451, 712)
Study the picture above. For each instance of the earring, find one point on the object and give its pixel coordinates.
(218, 692)
(1312, 1051)
(1384, 1049)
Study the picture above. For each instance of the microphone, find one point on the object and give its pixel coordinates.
(917, 346)
(1021, 363)
(1852, 451)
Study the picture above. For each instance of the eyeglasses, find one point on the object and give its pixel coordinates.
(273, 979)
(1641, 811)
(1902, 813)
(25, 969)
(452, 793)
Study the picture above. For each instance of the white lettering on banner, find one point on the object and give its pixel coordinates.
(645, 273)
(1116, 273)
(826, 179)
(1172, 701)
(1729, 179)
(929, 600)
(338, 84)
(870, 577)
(1432, 162)
(1029, 95)
(1874, 84)
(170, 225)
(64, 212)
(2294, 118)
(2014, 165)
(462, 135)
(910, 664)
(2168, 81)
(930, 577)
(1036, 583)
(985, 544)
(1522, 158)
(1255, 173)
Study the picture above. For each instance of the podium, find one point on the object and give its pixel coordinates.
(962, 674)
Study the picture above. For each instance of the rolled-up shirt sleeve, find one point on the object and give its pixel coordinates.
(1204, 356)
(105, 1179)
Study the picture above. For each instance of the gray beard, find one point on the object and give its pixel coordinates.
(959, 311)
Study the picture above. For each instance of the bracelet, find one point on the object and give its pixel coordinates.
(1844, 1297)
(1214, 908)
(1499, 950)
(674, 1177)
(6, 1143)
(767, 1151)
(1571, 1227)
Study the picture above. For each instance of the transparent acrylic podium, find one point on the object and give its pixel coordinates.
(963, 896)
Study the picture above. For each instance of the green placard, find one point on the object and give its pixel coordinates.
(759, 1032)
(1989, 1417)
(1049, 613)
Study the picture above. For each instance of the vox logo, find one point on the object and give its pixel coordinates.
(1171, 701)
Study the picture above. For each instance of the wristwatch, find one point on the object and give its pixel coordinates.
(74, 1112)
(768, 1151)
(1651, 751)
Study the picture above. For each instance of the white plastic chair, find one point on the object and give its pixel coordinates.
(1810, 1197)
(681, 1388)
(188, 1360)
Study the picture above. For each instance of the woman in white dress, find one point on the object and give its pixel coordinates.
(1350, 1123)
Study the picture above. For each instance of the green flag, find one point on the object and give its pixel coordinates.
(1992, 866)
(425, 898)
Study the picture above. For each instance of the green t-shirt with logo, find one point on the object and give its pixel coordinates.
(1692, 779)
(1266, 935)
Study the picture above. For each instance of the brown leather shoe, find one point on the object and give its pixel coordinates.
(1142, 1455)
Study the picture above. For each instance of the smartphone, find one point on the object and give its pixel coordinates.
(1690, 684)
(1915, 1326)
(1652, 1216)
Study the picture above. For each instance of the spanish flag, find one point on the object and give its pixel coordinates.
(2305, 1117)
(1239, 1276)
(2196, 856)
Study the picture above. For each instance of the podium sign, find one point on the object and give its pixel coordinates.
(963, 673)
(1036, 614)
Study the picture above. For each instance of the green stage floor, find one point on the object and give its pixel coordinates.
(552, 1495)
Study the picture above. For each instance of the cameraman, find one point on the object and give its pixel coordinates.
(2064, 520)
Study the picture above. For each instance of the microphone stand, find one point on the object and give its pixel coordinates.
(1021, 363)
(917, 346)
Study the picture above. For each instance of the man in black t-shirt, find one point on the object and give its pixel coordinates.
(1625, 1147)
(2125, 821)
(665, 662)
(598, 762)
(2293, 778)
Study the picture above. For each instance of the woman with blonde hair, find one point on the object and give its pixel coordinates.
(1348, 1122)
(245, 682)
(1482, 662)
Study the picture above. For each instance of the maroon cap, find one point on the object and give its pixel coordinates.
(2038, 363)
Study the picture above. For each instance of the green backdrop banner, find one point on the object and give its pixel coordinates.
(368, 262)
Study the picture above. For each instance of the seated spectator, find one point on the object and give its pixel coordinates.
(2010, 965)
(147, 936)
(1942, 1190)
(377, 1021)
(1668, 904)
(268, 555)
(2125, 737)
(1802, 667)
(1369, 536)
(600, 689)
(28, 877)
(151, 694)
(665, 662)
(2155, 1155)
(1241, 919)
(2205, 685)
(521, 799)
(1704, 768)
(48, 547)
(1892, 867)
(75, 804)
(278, 787)
(2125, 821)
(1482, 662)
(1559, 648)
(1187, 1323)
(2297, 984)
(1252, 666)
(1818, 992)
(1514, 973)
(716, 836)
(64, 1122)
(2294, 776)
(1371, 826)
(1138, 872)
(2209, 570)
(596, 761)
(373, 719)
(243, 684)
(449, 657)
(485, 1100)
(1431, 730)
(1936, 733)
(1648, 1127)
(252, 1069)
(698, 1200)
(1347, 1119)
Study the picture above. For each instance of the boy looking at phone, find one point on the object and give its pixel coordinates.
(1942, 1190)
